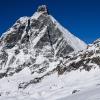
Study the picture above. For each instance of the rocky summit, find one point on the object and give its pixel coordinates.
(36, 56)
(36, 42)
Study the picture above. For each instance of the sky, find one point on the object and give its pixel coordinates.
(80, 17)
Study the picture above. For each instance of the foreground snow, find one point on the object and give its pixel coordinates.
(54, 87)
(90, 94)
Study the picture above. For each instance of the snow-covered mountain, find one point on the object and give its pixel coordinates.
(36, 42)
(41, 60)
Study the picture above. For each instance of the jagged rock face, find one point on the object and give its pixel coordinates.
(86, 59)
(43, 9)
(36, 36)
(37, 43)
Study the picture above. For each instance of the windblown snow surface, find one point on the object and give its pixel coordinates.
(55, 87)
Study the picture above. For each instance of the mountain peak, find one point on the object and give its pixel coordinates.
(43, 9)
(38, 49)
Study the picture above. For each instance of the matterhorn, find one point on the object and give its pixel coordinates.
(41, 60)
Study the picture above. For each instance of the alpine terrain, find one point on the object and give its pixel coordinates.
(41, 60)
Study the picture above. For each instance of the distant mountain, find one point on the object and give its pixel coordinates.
(36, 52)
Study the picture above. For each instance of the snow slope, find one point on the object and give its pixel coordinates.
(57, 88)
(89, 94)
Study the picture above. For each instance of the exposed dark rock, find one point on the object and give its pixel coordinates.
(25, 39)
(3, 59)
(42, 8)
(96, 60)
(17, 70)
(75, 91)
(17, 51)
(25, 51)
(25, 84)
(12, 60)
(2, 75)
